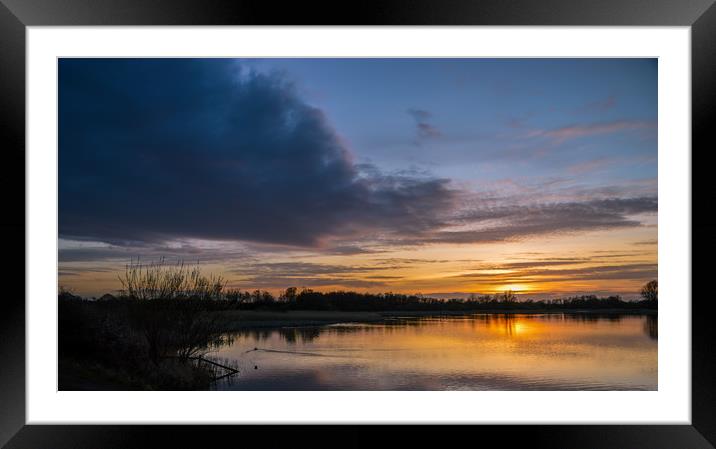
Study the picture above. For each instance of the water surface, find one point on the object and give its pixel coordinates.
(474, 352)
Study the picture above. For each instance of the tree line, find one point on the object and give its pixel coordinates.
(181, 287)
(164, 283)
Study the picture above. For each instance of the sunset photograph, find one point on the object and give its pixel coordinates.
(385, 224)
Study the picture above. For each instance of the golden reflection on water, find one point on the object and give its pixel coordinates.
(477, 352)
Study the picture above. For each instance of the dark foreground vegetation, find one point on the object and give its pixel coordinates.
(156, 333)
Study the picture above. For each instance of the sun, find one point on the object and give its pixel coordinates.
(515, 288)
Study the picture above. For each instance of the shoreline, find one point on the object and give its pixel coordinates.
(251, 319)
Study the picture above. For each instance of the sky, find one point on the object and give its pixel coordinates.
(445, 177)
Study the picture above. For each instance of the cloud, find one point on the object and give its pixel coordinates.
(291, 269)
(538, 274)
(514, 222)
(71, 271)
(153, 150)
(150, 252)
(563, 134)
(349, 250)
(424, 128)
(611, 272)
(559, 261)
(653, 242)
(304, 274)
(600, 105)
(591, 166)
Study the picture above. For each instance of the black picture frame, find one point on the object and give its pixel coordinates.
(16, 15)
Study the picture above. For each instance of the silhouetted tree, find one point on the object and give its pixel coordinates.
(507, 296)
(290, 294)
(66, 293)
(650, 291)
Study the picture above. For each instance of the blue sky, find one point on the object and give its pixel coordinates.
(481, 107)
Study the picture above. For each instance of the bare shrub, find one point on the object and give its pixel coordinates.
(158, 280)
(171, 306)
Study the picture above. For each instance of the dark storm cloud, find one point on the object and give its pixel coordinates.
(158, 149)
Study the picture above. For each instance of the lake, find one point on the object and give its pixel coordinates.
(555, 351)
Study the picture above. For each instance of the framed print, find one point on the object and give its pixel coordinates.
(363, 220)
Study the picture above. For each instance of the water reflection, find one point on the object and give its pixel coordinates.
(508, 324)
(290, 335)
(651, 326)
(482, 351)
